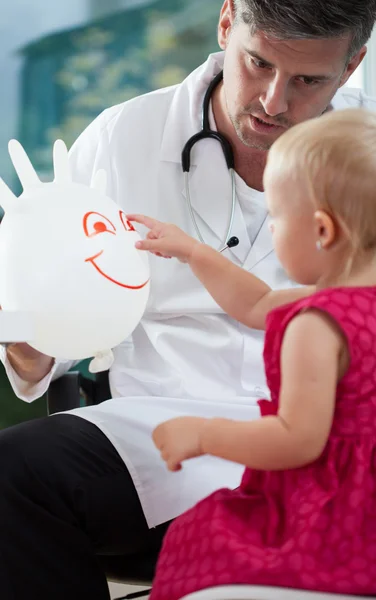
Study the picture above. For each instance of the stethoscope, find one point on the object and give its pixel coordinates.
(207, 133)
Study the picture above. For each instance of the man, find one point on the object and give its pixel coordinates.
(76, 485)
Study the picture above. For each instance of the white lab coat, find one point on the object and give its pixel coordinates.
(186, 357)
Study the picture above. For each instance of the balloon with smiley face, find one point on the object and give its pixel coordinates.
(68, 257)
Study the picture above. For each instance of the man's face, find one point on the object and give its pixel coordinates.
(271, 85)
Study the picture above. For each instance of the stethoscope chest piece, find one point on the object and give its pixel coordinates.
(232, 242)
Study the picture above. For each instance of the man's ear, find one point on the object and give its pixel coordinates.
(226, 22)
(353, 65)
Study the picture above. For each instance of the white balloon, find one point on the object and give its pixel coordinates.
(68, 257)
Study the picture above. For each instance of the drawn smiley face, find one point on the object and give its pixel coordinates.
(95, 224)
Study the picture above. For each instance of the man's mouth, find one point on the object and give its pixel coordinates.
(262, 126)
(263, 122)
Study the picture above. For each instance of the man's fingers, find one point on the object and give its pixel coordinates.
(149, 222)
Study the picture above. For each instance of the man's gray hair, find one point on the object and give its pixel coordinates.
(310, 19)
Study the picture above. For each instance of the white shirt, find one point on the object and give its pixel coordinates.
(252, 202)
(186, 357)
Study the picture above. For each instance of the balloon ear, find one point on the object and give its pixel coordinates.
(61, 163)
(99, 181)
(22, 165)
(7, 197)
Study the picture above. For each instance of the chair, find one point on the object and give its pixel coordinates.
(71, 391)
(254, 592)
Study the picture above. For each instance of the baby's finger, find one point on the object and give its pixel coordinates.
(154, 245)
(160, 255)
(164, 455)
(174, 466)
(149, 222)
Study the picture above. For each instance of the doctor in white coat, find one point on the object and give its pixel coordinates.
(91, 482)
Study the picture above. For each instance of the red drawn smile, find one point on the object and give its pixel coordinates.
(129, 287)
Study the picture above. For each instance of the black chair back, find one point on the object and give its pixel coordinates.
(102, 387)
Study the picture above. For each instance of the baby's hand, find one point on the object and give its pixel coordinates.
(164, 239)
(179, 439)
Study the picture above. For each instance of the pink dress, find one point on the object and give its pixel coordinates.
(311, 528)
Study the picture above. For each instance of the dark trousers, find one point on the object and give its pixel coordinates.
(65, 498)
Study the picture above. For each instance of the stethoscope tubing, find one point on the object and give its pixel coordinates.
(207, 133)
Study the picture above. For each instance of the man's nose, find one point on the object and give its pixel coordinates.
(274, 99)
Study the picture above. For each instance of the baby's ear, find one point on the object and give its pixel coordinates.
(99, 181)
(61, 163)
(325, 229)
(22, 165)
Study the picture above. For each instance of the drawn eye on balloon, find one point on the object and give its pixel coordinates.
(126, 224)
(94, 224)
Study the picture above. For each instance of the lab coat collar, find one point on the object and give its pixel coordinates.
(185, 115)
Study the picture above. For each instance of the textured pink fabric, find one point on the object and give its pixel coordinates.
(311, 528)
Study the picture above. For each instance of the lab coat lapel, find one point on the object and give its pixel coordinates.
(262, 247)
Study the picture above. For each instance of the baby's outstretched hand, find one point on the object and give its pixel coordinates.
(164, 239)
(179, 439)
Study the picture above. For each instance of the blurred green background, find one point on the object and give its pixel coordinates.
(13, 410)
(61, 64)
(63, 79)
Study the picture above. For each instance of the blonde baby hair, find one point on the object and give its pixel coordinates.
(334, 158)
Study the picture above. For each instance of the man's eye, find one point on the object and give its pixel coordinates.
(308, 80)
(259, 64)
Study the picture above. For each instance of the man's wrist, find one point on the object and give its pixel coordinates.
(7, 345)
(30, 364)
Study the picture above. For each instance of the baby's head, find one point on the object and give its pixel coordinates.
(320, 184)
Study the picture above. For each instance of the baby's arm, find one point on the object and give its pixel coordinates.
(314, 356)
(240, 294)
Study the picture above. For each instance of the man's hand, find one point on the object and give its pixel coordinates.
(30, 364)
(164, 239)
(179, 439)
